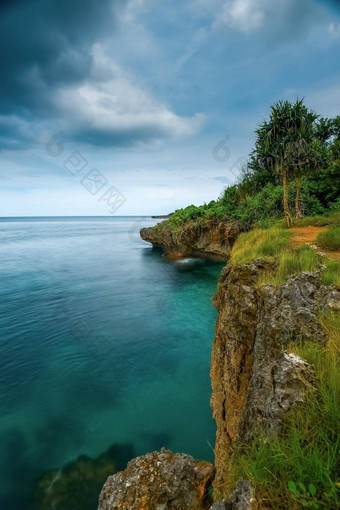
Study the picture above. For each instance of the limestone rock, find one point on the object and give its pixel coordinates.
(212, 238)
(159, 481)
(242, 498)
(255, 381)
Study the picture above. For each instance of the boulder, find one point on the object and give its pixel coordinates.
(159, 481)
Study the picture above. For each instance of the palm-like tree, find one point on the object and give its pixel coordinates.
(284, 145)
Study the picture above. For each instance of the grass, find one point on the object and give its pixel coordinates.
(275, 244)
(301, 467)
(331, 275)
(330, 239)
(260, 243)
(318, 221)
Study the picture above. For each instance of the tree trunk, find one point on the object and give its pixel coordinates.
(287, 216)
(298, 209)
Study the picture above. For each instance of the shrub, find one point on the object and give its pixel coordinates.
(330, 239)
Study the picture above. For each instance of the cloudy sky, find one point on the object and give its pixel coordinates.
(144, 106)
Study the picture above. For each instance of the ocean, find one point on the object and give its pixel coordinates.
(102, 342)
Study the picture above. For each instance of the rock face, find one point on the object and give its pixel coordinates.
(159, 481)
(242, 498)
(209, 238)
(255, 381)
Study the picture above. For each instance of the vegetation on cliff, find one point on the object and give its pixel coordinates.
(273, 320)
(295, 165)
(276, 244)
(300, 467)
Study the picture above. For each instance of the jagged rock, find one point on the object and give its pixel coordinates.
(207, 238)
(220, 505)
(159, 481)
(255, 381)
(242, 498)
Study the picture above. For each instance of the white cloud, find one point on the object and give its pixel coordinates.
(334, 30)
(244, 15)
(282, 18)
(112, 103)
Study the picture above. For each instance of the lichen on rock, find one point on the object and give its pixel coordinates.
(159, 481)
(242, 498)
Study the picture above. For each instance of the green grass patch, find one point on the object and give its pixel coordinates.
(290, 262)
(275, 244)
(331, 275)
(260, 243)
(330, 239)
(301, 467)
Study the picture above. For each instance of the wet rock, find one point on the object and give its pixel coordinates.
(209, 238)
(256, 382)
(159, 481)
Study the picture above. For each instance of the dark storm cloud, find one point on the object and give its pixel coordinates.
(45, 43)
(55, 75)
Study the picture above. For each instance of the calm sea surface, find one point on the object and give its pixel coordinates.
(102, 342)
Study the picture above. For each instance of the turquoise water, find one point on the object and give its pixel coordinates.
(101, 342)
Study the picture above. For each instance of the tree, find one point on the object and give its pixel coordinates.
(309, 158)
(286, 145)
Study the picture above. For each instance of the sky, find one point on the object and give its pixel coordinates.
(140, 107)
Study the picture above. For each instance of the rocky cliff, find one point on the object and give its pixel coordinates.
(256, 381)
(209, 238)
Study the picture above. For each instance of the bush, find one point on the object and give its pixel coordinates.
(330, 239)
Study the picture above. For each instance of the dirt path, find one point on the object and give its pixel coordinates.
(308, 235)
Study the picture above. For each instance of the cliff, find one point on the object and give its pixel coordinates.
(260, 382)
(209, 238)
(256, 381)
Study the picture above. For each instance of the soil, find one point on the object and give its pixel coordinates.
(308, 235)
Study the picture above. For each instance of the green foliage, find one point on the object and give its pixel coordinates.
(330, 239)
(325, 186)
(301, 467)
(309, 148)
(285, 140)
(318, 221)
(303, 495)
